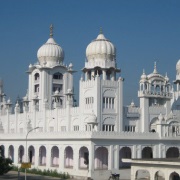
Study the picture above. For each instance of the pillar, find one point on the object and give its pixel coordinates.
(91, 160)
(16, 154)
(6, 151)
(104, 74)
(36, 160)
(61, 158)
(48, 156)
(116, 157)
(110, 158)
(75, 158)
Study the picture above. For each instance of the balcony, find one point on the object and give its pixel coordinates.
(167, 95)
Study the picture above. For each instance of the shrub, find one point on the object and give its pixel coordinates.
(52, 173)
(5, 165)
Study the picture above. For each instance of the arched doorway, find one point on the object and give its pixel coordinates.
(21, 154)
(142, 174)
(55, 156)
(174, 176)
(31, 153)
(124, 152)
(2, 149)
(147, 153)
(83, 158)
(11, 152)
(101, 158)
(172, 152)
(69, 157)
(159, 175)
(42, 156)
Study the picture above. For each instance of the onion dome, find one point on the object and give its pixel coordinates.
(160, 117)
(166, 78)
(25, 98)
(143, 76)
(9, 101)
(132, 104)
(101, 49)
(70, 66)
(56, 92)
(50, 53)
(17, 104)
(178, 66)
(69, 91)
(92, 119)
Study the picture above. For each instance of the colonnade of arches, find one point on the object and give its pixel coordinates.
(42, 155)
(101, 155)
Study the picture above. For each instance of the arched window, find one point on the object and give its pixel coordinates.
(42, 156)
(36, 76)
(101, 158)
(83, 158)
(68, 157)
(57, 76)
(108, 74)
(54, 156)
(147, 152)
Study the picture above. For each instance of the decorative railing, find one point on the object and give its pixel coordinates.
(153, 93)
(81, 135)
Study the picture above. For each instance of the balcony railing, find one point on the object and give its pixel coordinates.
(156, 94)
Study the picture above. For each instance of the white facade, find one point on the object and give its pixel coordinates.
(89, 140)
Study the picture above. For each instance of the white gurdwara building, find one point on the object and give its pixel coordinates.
(89, 140)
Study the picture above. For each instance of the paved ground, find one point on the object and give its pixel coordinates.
(13, 175)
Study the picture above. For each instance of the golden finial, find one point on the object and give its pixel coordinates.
(101, 31)
(51, 31)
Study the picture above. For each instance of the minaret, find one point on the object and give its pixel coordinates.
(1, 90)
(177, 81)
(175, 100)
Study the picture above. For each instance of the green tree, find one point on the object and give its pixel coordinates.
(5, 165)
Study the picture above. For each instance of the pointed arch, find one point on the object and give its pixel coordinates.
(101, 158)
(55, 156)
(83, 157)
(11, 152)
(68, 157)
(21, 154)
(147, 152)
(124, 152)
(42, 156)
(172, 152)
(31, 154)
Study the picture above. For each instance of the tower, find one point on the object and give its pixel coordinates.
(176, 95)
(49, 77)
(49, 80)
(155, 95)
(101, 93)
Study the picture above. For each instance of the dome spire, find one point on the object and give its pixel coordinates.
(155, 70)
(51, 31)
(143, 71)
(101, 31)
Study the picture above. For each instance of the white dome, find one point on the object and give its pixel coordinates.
(101, 49)
(143, 76)
(178, 66)
(166, 78)
(50, 54)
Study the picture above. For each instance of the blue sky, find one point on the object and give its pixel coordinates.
(143, 32)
